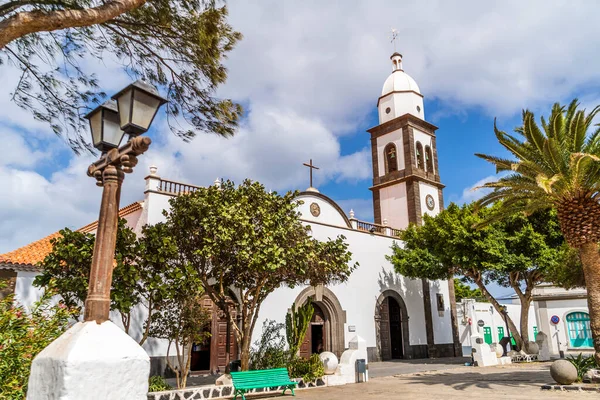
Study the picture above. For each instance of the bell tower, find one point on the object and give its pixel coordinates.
(406, 180)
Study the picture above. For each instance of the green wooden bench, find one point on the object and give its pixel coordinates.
(247, 380)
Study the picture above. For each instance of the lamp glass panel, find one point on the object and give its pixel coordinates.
(112, 128)
(96, 127)
(124, 103)
(144, 108)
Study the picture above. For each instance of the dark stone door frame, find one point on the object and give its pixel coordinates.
(404, 317)
(334, 314)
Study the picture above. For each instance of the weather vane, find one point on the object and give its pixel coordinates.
(394, 37)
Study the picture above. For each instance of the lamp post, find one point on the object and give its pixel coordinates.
(63, 370)
(130, 111)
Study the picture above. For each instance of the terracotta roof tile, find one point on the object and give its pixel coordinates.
(26, 257)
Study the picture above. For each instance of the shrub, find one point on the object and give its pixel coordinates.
(158, 384)
(583, 364)
(307, 369)
(22, 336)
(269, 351)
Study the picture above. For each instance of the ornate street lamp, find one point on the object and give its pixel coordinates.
(132, 111)
(138, 104)
(105, 126)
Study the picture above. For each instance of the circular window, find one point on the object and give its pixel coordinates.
(418, 109)
(388, 110)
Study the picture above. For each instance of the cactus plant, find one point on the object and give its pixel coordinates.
(296, 324)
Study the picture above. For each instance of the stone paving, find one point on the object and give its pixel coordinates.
(518, 381)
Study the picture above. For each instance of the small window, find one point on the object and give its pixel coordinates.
(420, 156)
(580, 332)
(428, 159)
(440, 302)
(418, 109)
(388, 110)
(391, 158)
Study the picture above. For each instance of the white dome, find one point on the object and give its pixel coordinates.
(399, 81)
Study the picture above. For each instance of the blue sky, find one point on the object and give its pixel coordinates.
(309, 75)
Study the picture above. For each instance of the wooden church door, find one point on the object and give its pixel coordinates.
(315, 341)
(384, 330)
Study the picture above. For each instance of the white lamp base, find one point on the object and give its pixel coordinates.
(93, 362)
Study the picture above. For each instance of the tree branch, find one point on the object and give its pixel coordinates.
(25, 23)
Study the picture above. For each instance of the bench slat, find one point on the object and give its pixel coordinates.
(268, 378)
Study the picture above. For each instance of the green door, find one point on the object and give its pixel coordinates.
(580, 333)
(535, 332)
(500, 333)
(487, 334)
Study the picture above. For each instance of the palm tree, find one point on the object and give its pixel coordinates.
(557, 166)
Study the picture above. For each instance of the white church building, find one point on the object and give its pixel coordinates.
(399, 318)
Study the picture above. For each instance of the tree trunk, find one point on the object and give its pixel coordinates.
(525, 305)
(453, 317)
(498, 307)
(590, 258)
(245, 352)
(27, 22)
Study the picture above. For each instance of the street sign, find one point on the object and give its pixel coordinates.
(480, 323)
(554, 319)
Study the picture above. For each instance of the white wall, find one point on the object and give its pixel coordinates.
(481, 311)
(424, 190)
(25, 293)
(558, 334)
(400, 104)
(393, 203)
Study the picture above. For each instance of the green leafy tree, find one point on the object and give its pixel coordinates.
(269, 350)
(181, 320)
(67, 269)
(175, 44)
(557, 166)
(297, 321)
(511, 253)
(144, 277)
(23, 334)
(246, 238)
(464, 291)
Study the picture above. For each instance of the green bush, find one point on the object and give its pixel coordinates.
(269, 351)
(22, 336)
(307, 369)
(583, 364)
(158, 384)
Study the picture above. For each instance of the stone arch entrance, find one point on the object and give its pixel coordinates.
(391, 324)
(326, 332)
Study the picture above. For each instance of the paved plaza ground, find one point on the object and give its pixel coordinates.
(517, 381)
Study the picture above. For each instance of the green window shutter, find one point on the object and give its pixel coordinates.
(580, 332)
(487, 334)
(500, 332)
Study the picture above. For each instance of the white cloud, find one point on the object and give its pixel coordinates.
(472, 193)
(309, 73)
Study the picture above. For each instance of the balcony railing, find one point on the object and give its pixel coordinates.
(374, 228)
(175, 188)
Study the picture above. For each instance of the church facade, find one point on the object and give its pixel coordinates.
(399, 318)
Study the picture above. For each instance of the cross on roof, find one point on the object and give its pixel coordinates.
(311, 167)
(394, 36)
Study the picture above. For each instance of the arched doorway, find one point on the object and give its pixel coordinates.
(326, 331)
(315, 341)
(391, 318)
(211, 355)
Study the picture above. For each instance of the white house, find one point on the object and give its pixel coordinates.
(398, 317)
(561, 314)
